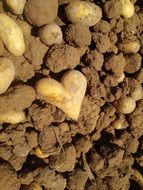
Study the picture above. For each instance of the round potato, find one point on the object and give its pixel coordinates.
(51, 34)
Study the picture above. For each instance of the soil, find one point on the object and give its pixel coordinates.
(89, 153)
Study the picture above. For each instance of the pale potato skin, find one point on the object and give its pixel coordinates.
(82, 12)
(126, 105)
(67, 95)
(12, 117)
(7, 73)
(2, 48)
(121, 78)
(129, 47)
(51, 34)
(11, 35)
(117, 124)
(128, 9)
(16, 6)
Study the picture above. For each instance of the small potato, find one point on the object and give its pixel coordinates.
(51, 34)
(40, 154)
(128, 9)
(129, 46)
(117, 124)
(125, 105)
(67, 95)
(120, 122)
(121, 78)
(11, 35)
(12, 117)
(7, 73)
(83, 12)
(16, 6)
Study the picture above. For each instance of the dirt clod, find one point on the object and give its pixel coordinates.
(62, 57)
(8, 178)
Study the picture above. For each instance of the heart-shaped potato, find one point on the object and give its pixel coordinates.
(67, 95)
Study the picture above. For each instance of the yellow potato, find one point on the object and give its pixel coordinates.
(51, 34)
(67, 95)
(83, 12)
(11, 35)
(126, 105)
(128, 9)
(16, 6)
(7, 73)
(121, 78)
(12, 117)
(40, 154)
(2, 48)
(129, 46)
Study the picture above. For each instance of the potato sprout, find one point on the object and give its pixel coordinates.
(40, 154)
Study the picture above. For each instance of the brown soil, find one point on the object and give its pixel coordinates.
(88, 154)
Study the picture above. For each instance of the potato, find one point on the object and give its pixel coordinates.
(11, 35)
(120, 122)
(51, 34)
(125, 105)
(40, 154)
(32, 186)
(128, 9)
(82, 12)
(12, 117)
(16, 6)
(2, 48)
(67, 95)
(121, 78)
(7, 73)
(129, 46)
(117, 124)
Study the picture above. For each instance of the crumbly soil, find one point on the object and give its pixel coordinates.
(88, 154)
